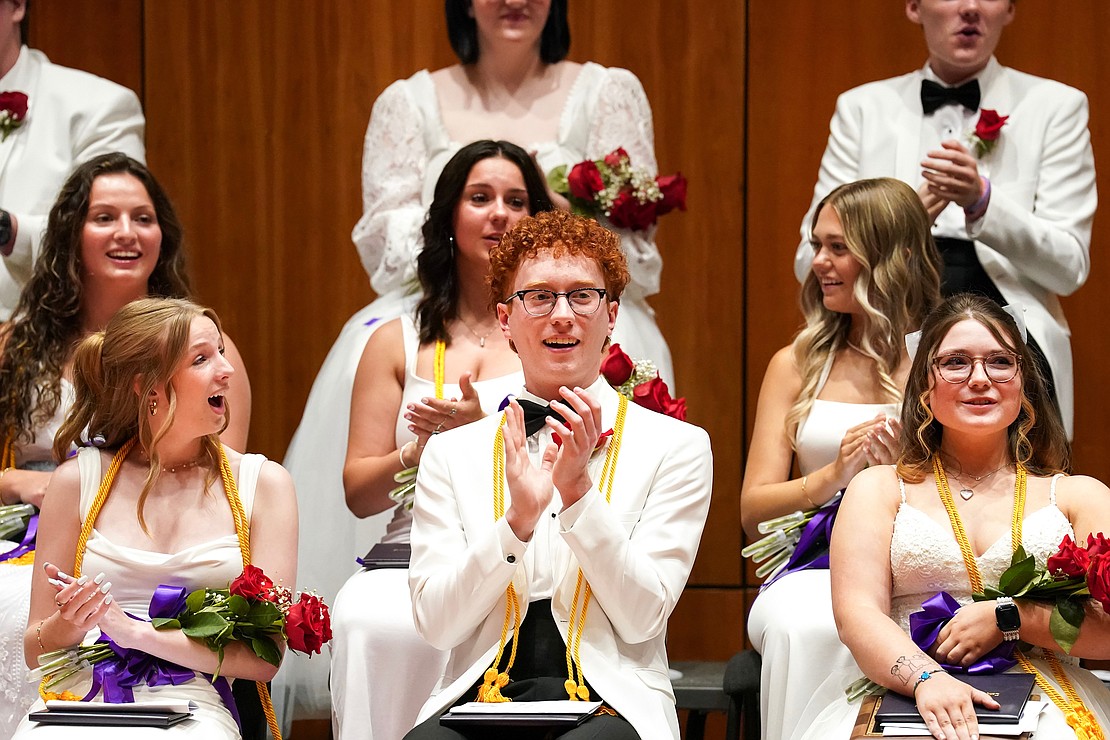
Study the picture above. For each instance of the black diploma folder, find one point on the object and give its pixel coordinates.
(1011, 690)
(387, 555)
(108, 719)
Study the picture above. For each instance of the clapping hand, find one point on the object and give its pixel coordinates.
(952, 174)
(873, 442)
(530, 488)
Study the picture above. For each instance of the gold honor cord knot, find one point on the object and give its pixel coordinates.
(438, 366)
(1078, 717)
(492, 681)
(242, 532)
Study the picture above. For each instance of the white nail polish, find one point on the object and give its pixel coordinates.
(55, 582)
(99, 579)
(105, 587)
(108, 599)
(63, 576)
(82, 580)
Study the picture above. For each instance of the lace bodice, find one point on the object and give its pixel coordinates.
(407, 146)
(925, 557)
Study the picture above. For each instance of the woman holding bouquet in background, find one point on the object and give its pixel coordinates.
(149, 507)
(112, 237)
(513, 83)
(829, 403)
(979, 473)
(382, 671)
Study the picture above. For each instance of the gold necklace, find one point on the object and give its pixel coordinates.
(179, 467)
(1077, 715)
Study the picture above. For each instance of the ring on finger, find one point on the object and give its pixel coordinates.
(438, 429)
(60, 604)
(454, 410)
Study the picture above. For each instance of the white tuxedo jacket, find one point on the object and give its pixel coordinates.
(1034, 240)
(636, 552)
(72, 116)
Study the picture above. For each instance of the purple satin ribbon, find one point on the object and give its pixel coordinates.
(925, 627)
(27, 544)
(812, 550)
(118, 675)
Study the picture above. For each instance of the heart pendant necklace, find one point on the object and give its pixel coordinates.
(967, 491)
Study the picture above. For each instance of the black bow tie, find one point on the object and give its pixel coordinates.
(934, 95)
(535, 414)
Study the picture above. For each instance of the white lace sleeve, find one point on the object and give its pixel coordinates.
(622, 118)
(394, 158)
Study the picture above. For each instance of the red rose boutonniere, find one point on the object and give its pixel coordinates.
(13, 109)
(629, 197)
(639, 382)
(987, 130)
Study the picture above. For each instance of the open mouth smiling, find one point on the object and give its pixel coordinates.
(560, 342)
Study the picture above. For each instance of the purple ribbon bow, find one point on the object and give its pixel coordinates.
(27, 544)
(925, 627)
(118, 675)
(812, 550)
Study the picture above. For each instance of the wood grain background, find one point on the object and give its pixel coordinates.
(256, 111)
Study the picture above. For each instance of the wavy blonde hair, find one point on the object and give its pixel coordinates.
(114, 372)
(1036, 437)
(886, 230)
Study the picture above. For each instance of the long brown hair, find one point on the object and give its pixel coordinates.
(1036, 437)
(115, 370)
(47, 319)
(886, 230)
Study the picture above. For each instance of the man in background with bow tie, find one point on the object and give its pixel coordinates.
(1012, 215)
(575, 508)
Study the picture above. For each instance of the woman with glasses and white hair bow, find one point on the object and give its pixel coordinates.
(980, 472)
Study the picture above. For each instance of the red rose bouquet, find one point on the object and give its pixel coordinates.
(13, 109)
(1070, 579)
(639, 382)
(987, 131)
(630, 198)
(249, 610)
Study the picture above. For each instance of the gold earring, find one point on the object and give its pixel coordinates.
(153, 406)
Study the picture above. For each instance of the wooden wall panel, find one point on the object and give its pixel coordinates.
(102, 37)
(802, 55)
(691, 66)
(256, 114)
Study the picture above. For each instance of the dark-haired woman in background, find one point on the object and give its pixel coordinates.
(382, 672)
(513, 83)
(112, 237)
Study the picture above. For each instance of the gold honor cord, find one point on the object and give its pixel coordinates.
(242, 532)
(1078, 717)
(493, 681)
(438, 365)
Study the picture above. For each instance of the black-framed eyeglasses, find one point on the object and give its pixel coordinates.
(956, 367)
(539, 302)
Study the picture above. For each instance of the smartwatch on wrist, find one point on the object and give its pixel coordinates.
(1007, 617)
(5, 230)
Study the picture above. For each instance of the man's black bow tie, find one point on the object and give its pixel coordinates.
(535, 414)
(934, 95)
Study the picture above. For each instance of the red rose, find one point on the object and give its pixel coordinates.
(989, 126)
(15, 103)
(308, 625)
(1070, 560)
(252, 584)
(629, 213)
(1098, 579)
(1097, 544)
(618, 366)
(585, 180)
(615, 157)
(655, 396)
(673, 188)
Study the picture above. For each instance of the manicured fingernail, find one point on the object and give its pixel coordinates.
(64, 576)
(82, 580)
(99, 578)
(105, 587)
(108, 599)
(55, 582)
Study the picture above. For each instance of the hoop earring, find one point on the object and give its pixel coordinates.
(153, 406)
